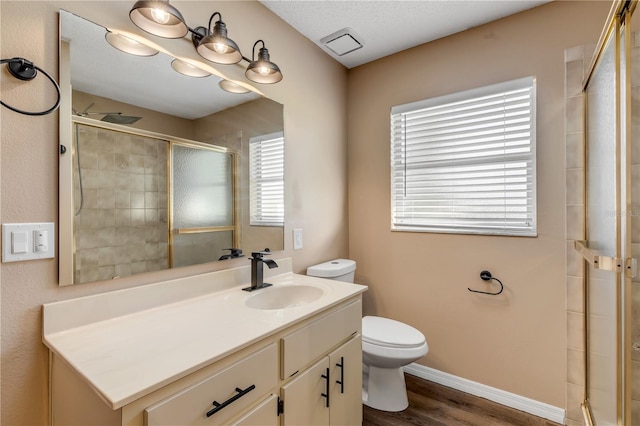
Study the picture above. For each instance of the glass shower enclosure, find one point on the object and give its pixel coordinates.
(612, 225)
(144, 202)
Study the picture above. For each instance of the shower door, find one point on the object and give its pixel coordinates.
(203, 211)
(608, 207)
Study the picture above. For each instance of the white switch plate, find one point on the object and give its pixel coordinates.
(297, 239)
(12, 232)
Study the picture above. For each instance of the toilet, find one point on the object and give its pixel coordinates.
(387, 346)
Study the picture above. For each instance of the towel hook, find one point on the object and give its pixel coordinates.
(486, 276)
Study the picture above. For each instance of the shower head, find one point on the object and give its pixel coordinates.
(109, 117)
(118, 118)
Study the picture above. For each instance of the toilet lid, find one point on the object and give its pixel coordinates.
(387, 332)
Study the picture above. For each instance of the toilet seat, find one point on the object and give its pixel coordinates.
(390, 333)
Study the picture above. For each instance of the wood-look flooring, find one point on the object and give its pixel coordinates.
(433, 404)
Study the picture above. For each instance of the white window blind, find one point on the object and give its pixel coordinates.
(465, 163)
(266, 180)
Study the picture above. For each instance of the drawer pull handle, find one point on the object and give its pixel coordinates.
(217, 406)
(326, 395)
(341, 381)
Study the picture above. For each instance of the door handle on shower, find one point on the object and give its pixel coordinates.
(599, 261)
(628, 266)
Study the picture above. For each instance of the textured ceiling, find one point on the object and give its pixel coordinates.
(390, 26)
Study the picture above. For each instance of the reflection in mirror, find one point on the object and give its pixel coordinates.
(156, 169)
(203, 204)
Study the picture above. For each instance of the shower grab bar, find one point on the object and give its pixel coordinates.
(606, 263)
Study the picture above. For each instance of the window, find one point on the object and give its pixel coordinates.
(465, 163)
(266, 180)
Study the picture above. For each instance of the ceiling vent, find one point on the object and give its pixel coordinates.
(342, 42)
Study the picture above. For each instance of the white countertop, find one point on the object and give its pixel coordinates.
(127, 356)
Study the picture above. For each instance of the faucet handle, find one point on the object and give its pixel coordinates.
(259, 254)
(235, 252)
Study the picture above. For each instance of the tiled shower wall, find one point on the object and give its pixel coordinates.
(576, 62)
(121, 228)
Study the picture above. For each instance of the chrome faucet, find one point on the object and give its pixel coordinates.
(257, 270)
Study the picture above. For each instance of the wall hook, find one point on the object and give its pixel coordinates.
(486, 276)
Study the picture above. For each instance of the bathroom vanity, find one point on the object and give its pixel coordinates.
(200, 351)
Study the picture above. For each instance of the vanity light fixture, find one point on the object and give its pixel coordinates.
(187, 69)
(160, 18)
(129, 45)
(262, 70)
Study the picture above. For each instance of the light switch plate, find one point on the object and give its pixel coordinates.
(297, 239)
(26, 250)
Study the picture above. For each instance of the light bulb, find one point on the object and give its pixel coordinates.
(220, 48)
(264, 70)
(160, 16)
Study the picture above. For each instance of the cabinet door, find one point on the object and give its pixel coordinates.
(306, 397)
(265, 414)
(346, 383)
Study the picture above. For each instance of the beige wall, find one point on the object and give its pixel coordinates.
(516, 341)
(316, 146)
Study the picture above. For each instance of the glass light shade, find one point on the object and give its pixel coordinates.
(187, 69)
(231, 87)
(263, 70)
(129, 45)
(159, 18)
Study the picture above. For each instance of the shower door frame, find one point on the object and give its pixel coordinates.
(618, 25)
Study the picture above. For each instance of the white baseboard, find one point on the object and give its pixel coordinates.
(508, 399)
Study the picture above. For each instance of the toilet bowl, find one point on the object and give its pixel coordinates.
(387, 346)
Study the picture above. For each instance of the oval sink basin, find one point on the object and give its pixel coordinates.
(284, 297)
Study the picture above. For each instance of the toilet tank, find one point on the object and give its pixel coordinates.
(338, 269)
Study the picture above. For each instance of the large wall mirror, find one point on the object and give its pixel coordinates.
(158, 169)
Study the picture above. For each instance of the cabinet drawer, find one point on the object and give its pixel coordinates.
(236, 387)
(306, 345)
(265, 414)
